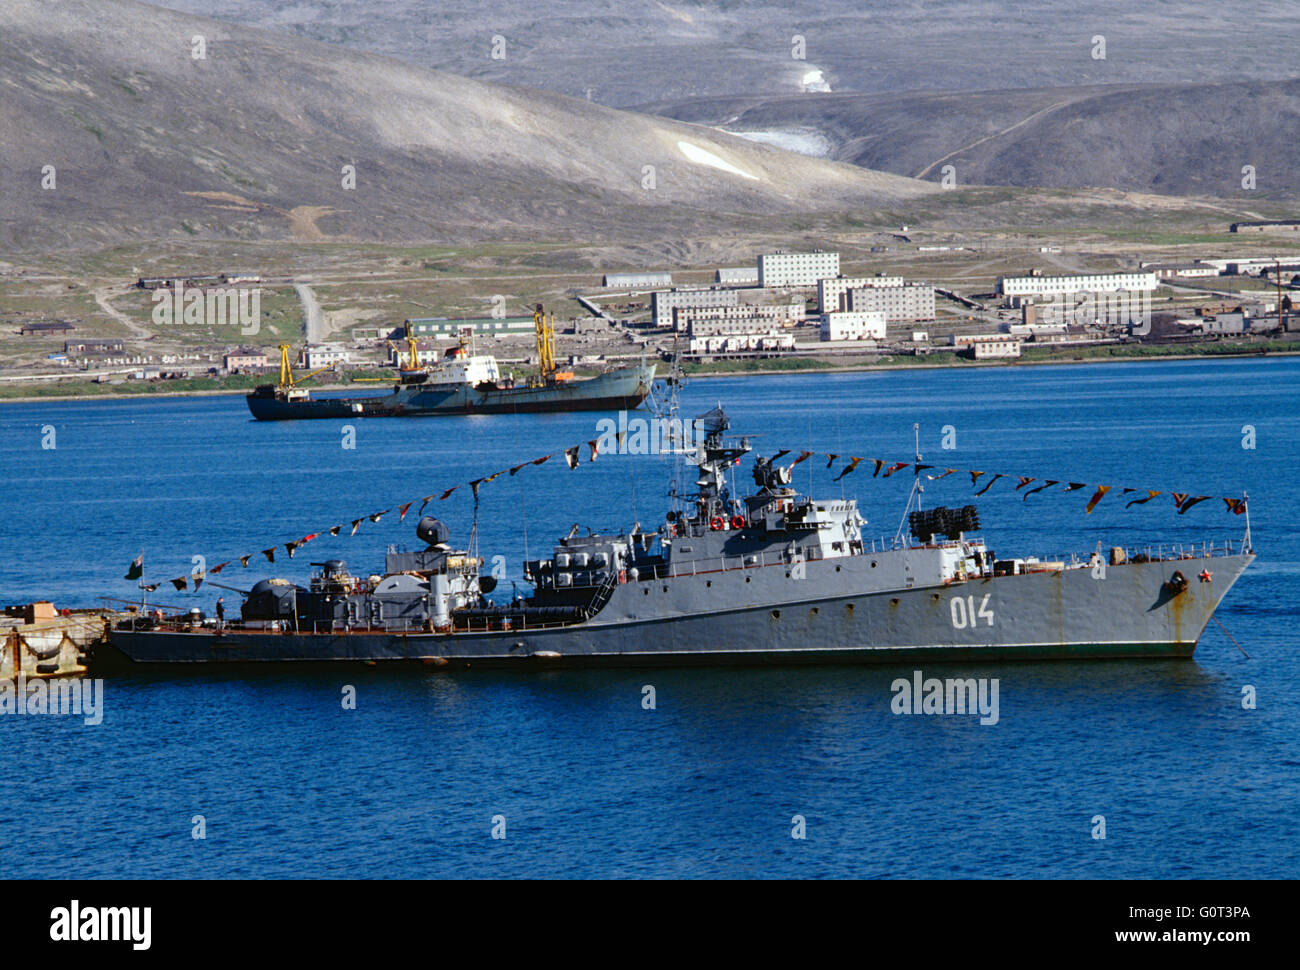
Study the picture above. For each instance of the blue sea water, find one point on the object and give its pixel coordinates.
(290, 784)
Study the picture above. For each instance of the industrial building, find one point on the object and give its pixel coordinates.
(797, 269)
(445, 327)
(1167, 270)
(629, 280)
(737, 275)
(1016, 288)
(905, 302)
(852, 325)
(1275, 225)
(664, 302)
(831, 293)
(987, 346)
(44, 329)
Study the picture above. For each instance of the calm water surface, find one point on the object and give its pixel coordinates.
(590, 784)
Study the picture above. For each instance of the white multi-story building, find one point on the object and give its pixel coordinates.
(797, 269)
(832, 293)
(323, 355)
(1015, 288)
(852, 325)
(904, 303)
(664, 302)
(705, 320)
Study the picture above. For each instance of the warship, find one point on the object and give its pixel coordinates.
(460, 382)
(773, 576)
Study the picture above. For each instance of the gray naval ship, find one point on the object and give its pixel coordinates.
(773, 577)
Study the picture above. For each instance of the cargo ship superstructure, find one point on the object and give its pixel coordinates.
(771, 577)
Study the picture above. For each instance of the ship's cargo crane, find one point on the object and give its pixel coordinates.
(412, 362)
(286, 369)
(545, 326)
(545, 342)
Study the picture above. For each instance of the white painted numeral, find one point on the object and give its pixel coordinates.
(964, 612)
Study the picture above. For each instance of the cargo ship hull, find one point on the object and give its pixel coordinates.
(831, 612)
(621, 389)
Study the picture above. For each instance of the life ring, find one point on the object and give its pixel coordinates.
(737, 521)
(717, 523)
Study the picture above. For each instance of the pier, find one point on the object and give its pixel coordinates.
(38, 641)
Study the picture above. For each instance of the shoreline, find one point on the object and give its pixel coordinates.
(968, 365)
(821, 367)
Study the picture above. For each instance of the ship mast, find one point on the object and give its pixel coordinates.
(672, 437)
(914, 496)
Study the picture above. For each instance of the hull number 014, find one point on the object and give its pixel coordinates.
(965, 613)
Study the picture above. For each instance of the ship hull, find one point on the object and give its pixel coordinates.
(616, 390)
(1069, 614)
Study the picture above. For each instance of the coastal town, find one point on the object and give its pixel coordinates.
(897, 300)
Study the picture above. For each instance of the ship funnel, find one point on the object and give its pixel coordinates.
(433, 531)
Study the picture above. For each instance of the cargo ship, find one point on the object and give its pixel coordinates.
(773, 577)
(460, 381)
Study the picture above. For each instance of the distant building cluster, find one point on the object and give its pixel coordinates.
(220, 279)
(664, 302)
